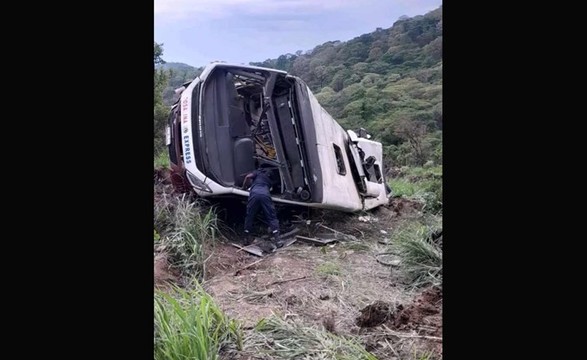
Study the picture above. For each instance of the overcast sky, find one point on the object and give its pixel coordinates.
(196, 32)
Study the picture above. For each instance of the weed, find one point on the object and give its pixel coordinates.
(421, 257)
(184, 227)
(328, 268)
(189, 325)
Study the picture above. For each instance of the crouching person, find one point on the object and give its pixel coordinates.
(260, 202)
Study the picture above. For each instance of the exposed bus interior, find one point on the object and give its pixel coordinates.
(250, 118)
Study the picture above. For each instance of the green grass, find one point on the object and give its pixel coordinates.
(355, 246)
(278, 339)
(422, 171)
(184, 227)
(189, 325)
(421, 257)
(423, 184)
(328, 268)
(162, 159)
(402, 187)
(431, 195)
(187, 240)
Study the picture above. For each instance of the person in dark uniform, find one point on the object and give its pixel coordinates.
(260, 201)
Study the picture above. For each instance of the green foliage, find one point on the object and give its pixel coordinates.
(420, 183)
(157, 53)
(283, 62)
(189, 325)
(159, 122)
(328, 268)
(185, 227)
(162, 159)
(402, 187)
(432, 195)
(421, 255)
(426, 172)
(429, 183)
(177, 75)
(388, 81)
(160, 111)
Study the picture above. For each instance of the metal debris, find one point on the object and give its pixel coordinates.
(316, 241)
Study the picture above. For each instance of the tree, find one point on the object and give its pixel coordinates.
(160, 110)
(157, 53)
(413, 133)
(320, 74)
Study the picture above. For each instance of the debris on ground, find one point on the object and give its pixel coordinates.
(262, 247)
(315, 240)
(368, 219)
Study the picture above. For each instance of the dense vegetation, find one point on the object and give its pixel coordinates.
(388, 81)
(160, 109)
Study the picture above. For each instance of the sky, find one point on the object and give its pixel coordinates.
(196, 32)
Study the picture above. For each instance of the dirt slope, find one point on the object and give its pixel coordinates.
(340, 287)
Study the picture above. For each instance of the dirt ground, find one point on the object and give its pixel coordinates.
(340, 287)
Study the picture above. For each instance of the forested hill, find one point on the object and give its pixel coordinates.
(388, 81)
(178, 73)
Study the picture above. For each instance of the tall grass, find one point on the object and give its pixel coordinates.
(421, 257)
(279, 339)
(189, 325)
(184, 227)
(163, 212)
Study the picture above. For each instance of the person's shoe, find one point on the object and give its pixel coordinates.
(277, 240)
(248, 240)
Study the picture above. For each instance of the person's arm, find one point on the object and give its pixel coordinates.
(249, 176)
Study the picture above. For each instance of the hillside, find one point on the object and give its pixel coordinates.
(178, 74)
(388, 81)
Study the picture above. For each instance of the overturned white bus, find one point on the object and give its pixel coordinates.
(234, 118)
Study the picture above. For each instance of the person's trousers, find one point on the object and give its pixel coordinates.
(263, 204)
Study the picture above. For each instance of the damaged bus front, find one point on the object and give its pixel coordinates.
(233, 118)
